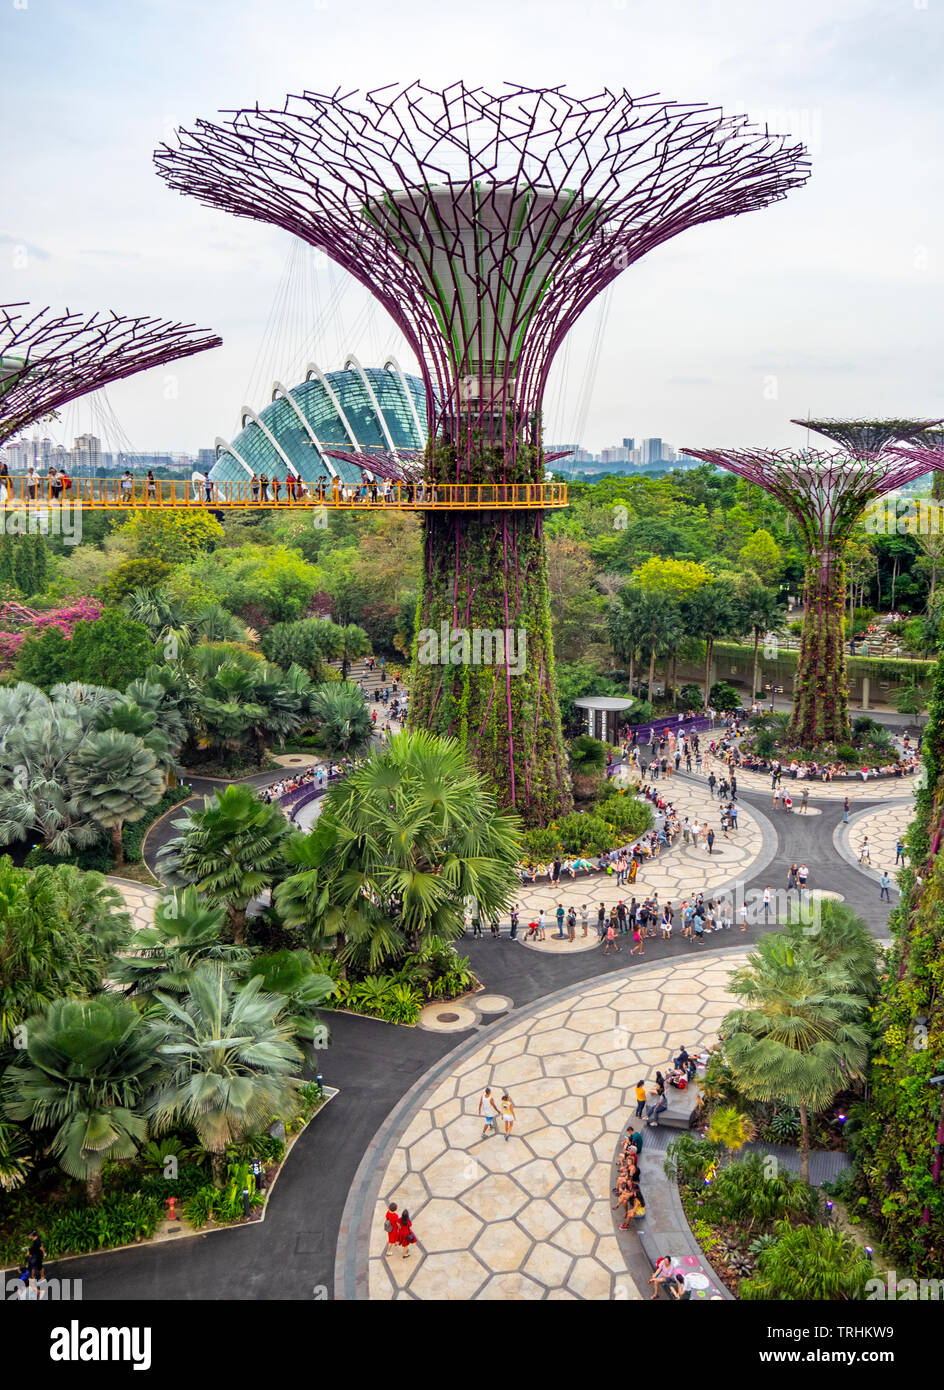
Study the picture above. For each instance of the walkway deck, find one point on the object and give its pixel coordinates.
(107, 494)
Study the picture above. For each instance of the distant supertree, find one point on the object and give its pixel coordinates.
(47, 360)
(485, 225)
(827, 494)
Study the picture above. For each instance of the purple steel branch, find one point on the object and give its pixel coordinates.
(50, 359)
(600, 181)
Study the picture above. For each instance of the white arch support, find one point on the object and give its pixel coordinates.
(223, 445)
(279, 390)
(247, 413)
(313, 370)
(352, 361)
(421, 434)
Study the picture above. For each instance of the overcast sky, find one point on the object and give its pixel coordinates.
(830, 301)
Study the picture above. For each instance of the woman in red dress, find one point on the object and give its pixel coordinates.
(392, 1226)
(405, 1236)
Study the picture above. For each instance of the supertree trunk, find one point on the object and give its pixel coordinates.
(486, 575)
(820, 701)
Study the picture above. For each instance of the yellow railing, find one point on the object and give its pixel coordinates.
(119, 494)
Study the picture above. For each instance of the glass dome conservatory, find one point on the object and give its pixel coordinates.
(358, 409)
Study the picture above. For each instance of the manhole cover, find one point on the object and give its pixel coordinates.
(446, 1018)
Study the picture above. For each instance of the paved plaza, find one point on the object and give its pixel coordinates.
(884, 826)
(530, 1217)
(140, 900)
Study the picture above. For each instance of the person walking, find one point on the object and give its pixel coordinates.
(865, 856)
(791, 877)
(845, 811)
(610, 940)
(804, 801)
(766, 906)
(560, 920)
(637, 942)
(488, 1111)
(886, 883)
(541, 925)
(803, 874)
(584, 920)
(507, 1113)
(476, 923)
(572, 924)
(601, 921)
(514, 923)
(710, 837)
(405, 1236)
(392, 1227)
(899, 853)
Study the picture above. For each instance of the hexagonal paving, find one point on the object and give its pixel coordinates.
(884, 826)
(529, 1217)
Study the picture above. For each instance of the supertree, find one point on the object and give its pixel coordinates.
(47, 360)
(826, 493)
(485, 225)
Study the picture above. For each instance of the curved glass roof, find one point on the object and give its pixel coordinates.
(358, 409)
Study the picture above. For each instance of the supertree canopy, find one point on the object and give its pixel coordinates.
(826, 493)
(47, 360)
(485, 224)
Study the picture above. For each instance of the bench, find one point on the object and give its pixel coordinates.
(682, 1106)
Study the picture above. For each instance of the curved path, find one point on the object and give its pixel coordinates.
(527, 1217)
(884, 826)
(292, 1254)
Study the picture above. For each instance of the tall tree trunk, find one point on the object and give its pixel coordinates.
(237, 919)
(804, 1144)
(218, 1168)
(754, 677)
(93, 1186)
(652, 669)
(632, 655)
(117, 845)
(486, 571)
(820, 701)
(709, 647)
(672, 677)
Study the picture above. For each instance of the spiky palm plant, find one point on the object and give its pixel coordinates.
(809, 1263)
(81, 1079)
(342, 716)
(230, 851)
(400, 846)
(164, 956)
(114, 779)
(800, 1036)
(230, 1058)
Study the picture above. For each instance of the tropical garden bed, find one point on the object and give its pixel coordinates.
(869, 744)
(133, 1208)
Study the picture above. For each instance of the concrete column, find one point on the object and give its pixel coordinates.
(865, 692)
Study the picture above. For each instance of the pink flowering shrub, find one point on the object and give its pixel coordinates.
(15, 616)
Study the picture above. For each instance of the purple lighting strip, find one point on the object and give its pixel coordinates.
(49, 359)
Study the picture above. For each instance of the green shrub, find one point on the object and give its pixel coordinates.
(584, 834)
(723, 696)
(809, 1263)
(764, 743)
(746, 1194)
(688, 1159)
(784, 1126)
(625, 814)
(846, 753)
(541, 845)
(201, 1205)
(690, 696)
(401, 1005)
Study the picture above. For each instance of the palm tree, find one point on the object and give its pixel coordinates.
(710, 612)
(400, 846)
(83, 1075)
(167, 620)
(841, 940)
(230, 851)
(350, 642)
(628, 631)
(58, 928)
(115, 779)
(344, 723)
(230, 1060)
(186, 931)
(651, 625)
(759, 610)
(294, 975)
(800, 1036)
(730, 1128)
(587, 757)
